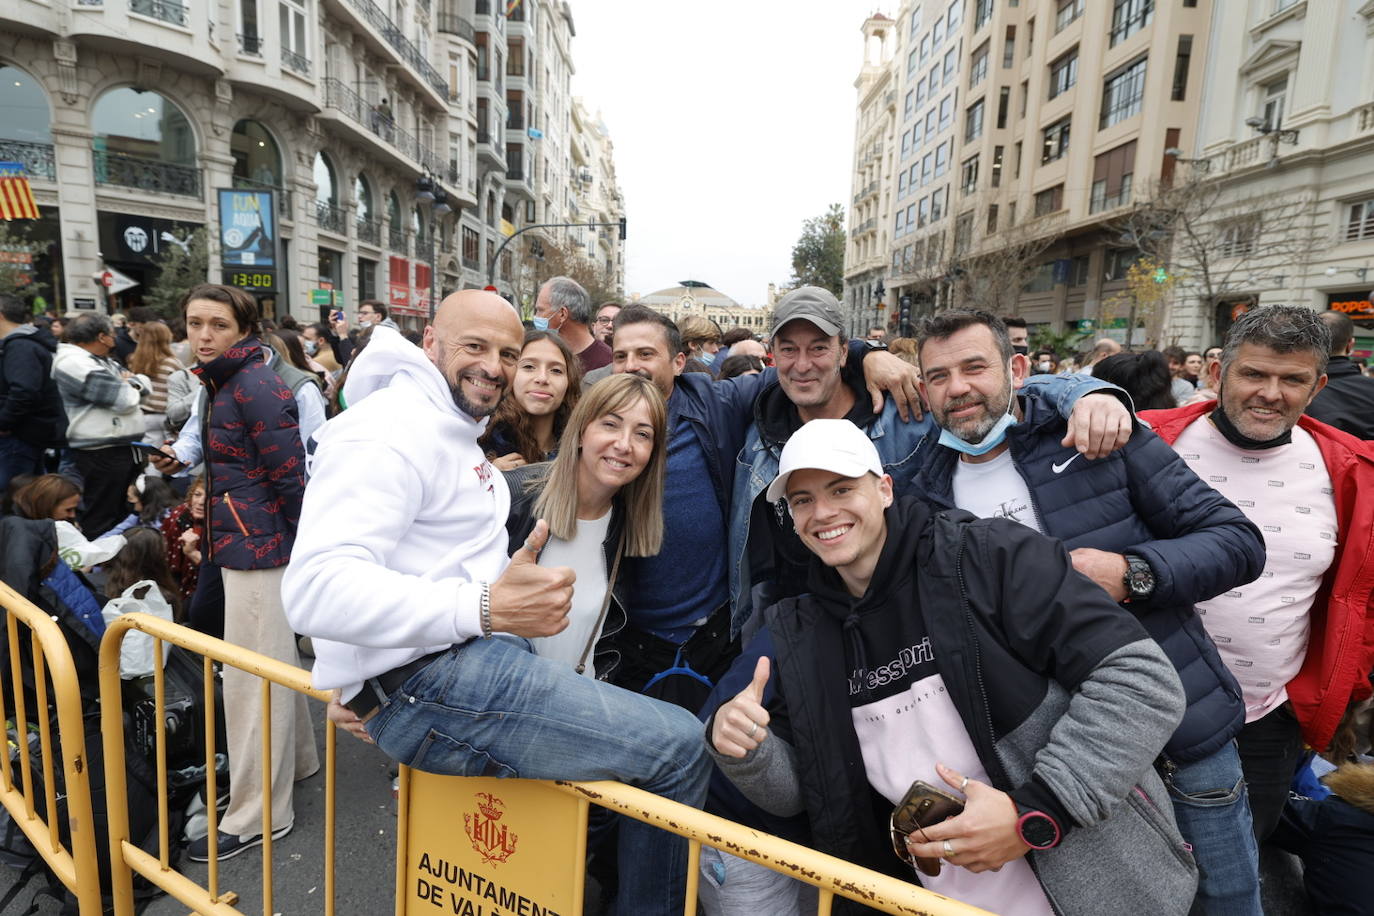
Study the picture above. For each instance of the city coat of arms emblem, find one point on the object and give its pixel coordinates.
(492, 840)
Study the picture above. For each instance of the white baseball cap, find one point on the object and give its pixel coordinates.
(826, 445)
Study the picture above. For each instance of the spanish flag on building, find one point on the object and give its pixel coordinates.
(16, 197)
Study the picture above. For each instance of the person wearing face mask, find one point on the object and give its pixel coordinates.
(565, 307)
(1044, 362)
(315, 341)
(1140, 524)
(701, 342)
(1019, 332)
(530, 418)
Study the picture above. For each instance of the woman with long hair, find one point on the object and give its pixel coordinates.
(532, 416)
(249, 438)
(48, 496)
(154, 358)
(602, 498)
(142, 558)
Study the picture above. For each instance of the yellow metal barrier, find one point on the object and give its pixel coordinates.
(127, 858)
(76, 867)
(454, 851)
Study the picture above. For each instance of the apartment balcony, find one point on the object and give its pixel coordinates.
(296, 63)
(164, 10)
(397, 241)
(490, 150)
(36, 158)
(453, 24)
(345, 108)
(382, 36)
(124, 171)
(250, 44)
(283, 195)
(330, 217)
(369, 231)
(866, 191)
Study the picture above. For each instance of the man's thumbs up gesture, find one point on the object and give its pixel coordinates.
(529, 600)
(742, 724)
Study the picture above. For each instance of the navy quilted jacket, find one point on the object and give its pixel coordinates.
(254, 459)
(1142, 499)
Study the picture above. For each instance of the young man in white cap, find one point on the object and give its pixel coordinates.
(965, 652)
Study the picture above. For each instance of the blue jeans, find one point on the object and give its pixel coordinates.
(1213, 815)
(18, 457)
(490, 707)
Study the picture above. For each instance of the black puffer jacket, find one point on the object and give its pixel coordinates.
(1142, 499)
(1347, 401)
(30, 404)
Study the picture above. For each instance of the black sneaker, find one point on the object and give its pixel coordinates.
(229, 844)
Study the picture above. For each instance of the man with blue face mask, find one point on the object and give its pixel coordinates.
(1140, 524)
(564, 306)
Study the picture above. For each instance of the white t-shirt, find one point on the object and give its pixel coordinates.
(1261, 628)
(901, 738)
(584, 554)
(994, 489)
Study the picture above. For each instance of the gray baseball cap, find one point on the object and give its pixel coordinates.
(812, 303)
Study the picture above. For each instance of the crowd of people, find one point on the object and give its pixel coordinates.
(1047, 633)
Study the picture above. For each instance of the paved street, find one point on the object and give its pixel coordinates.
(366, 851)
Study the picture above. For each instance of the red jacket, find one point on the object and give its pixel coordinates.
(1340, 650)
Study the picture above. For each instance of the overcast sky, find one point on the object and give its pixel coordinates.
(733, 121)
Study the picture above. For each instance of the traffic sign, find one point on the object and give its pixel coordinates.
(115, 281)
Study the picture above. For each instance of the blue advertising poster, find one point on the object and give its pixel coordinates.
(247, 228)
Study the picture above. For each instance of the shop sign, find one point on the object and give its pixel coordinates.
(141, 240)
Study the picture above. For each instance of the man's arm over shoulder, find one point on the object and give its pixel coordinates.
(1203, 545)
(1126, 698)
(339, 584)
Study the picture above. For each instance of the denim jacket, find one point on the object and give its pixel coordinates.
(901, 445)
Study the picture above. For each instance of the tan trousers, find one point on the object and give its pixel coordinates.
(254, 619)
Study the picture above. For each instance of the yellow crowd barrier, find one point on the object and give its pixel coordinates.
(74, 864)
(480, 847)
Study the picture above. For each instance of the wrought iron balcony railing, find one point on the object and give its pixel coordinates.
(329, 216)
(293, 61)
(454, 24)
(250, 44)
(369, 231)
(166, 10)
(405, 49)
(396, 239)
(147, 174)
(37, 158)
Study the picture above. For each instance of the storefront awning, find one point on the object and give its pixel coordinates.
(16, 197)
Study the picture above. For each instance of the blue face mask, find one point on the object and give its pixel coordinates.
(540, 323)
(707, 358)
(990, 441)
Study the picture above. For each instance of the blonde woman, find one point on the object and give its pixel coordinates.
(603, 499)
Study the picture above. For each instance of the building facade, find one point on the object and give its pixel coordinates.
(870, 229)
(693, 297)
(1286, 138)
(377, 129)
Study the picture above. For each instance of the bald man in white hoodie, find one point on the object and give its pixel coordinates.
(423, 624)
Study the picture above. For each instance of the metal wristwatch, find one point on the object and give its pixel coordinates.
(1139, 579)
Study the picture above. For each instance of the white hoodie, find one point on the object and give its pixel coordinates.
(404, 517)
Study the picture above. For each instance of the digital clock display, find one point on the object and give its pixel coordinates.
(260, 280)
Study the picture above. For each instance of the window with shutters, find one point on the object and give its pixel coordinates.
(1112, 178)
(1049, 200)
